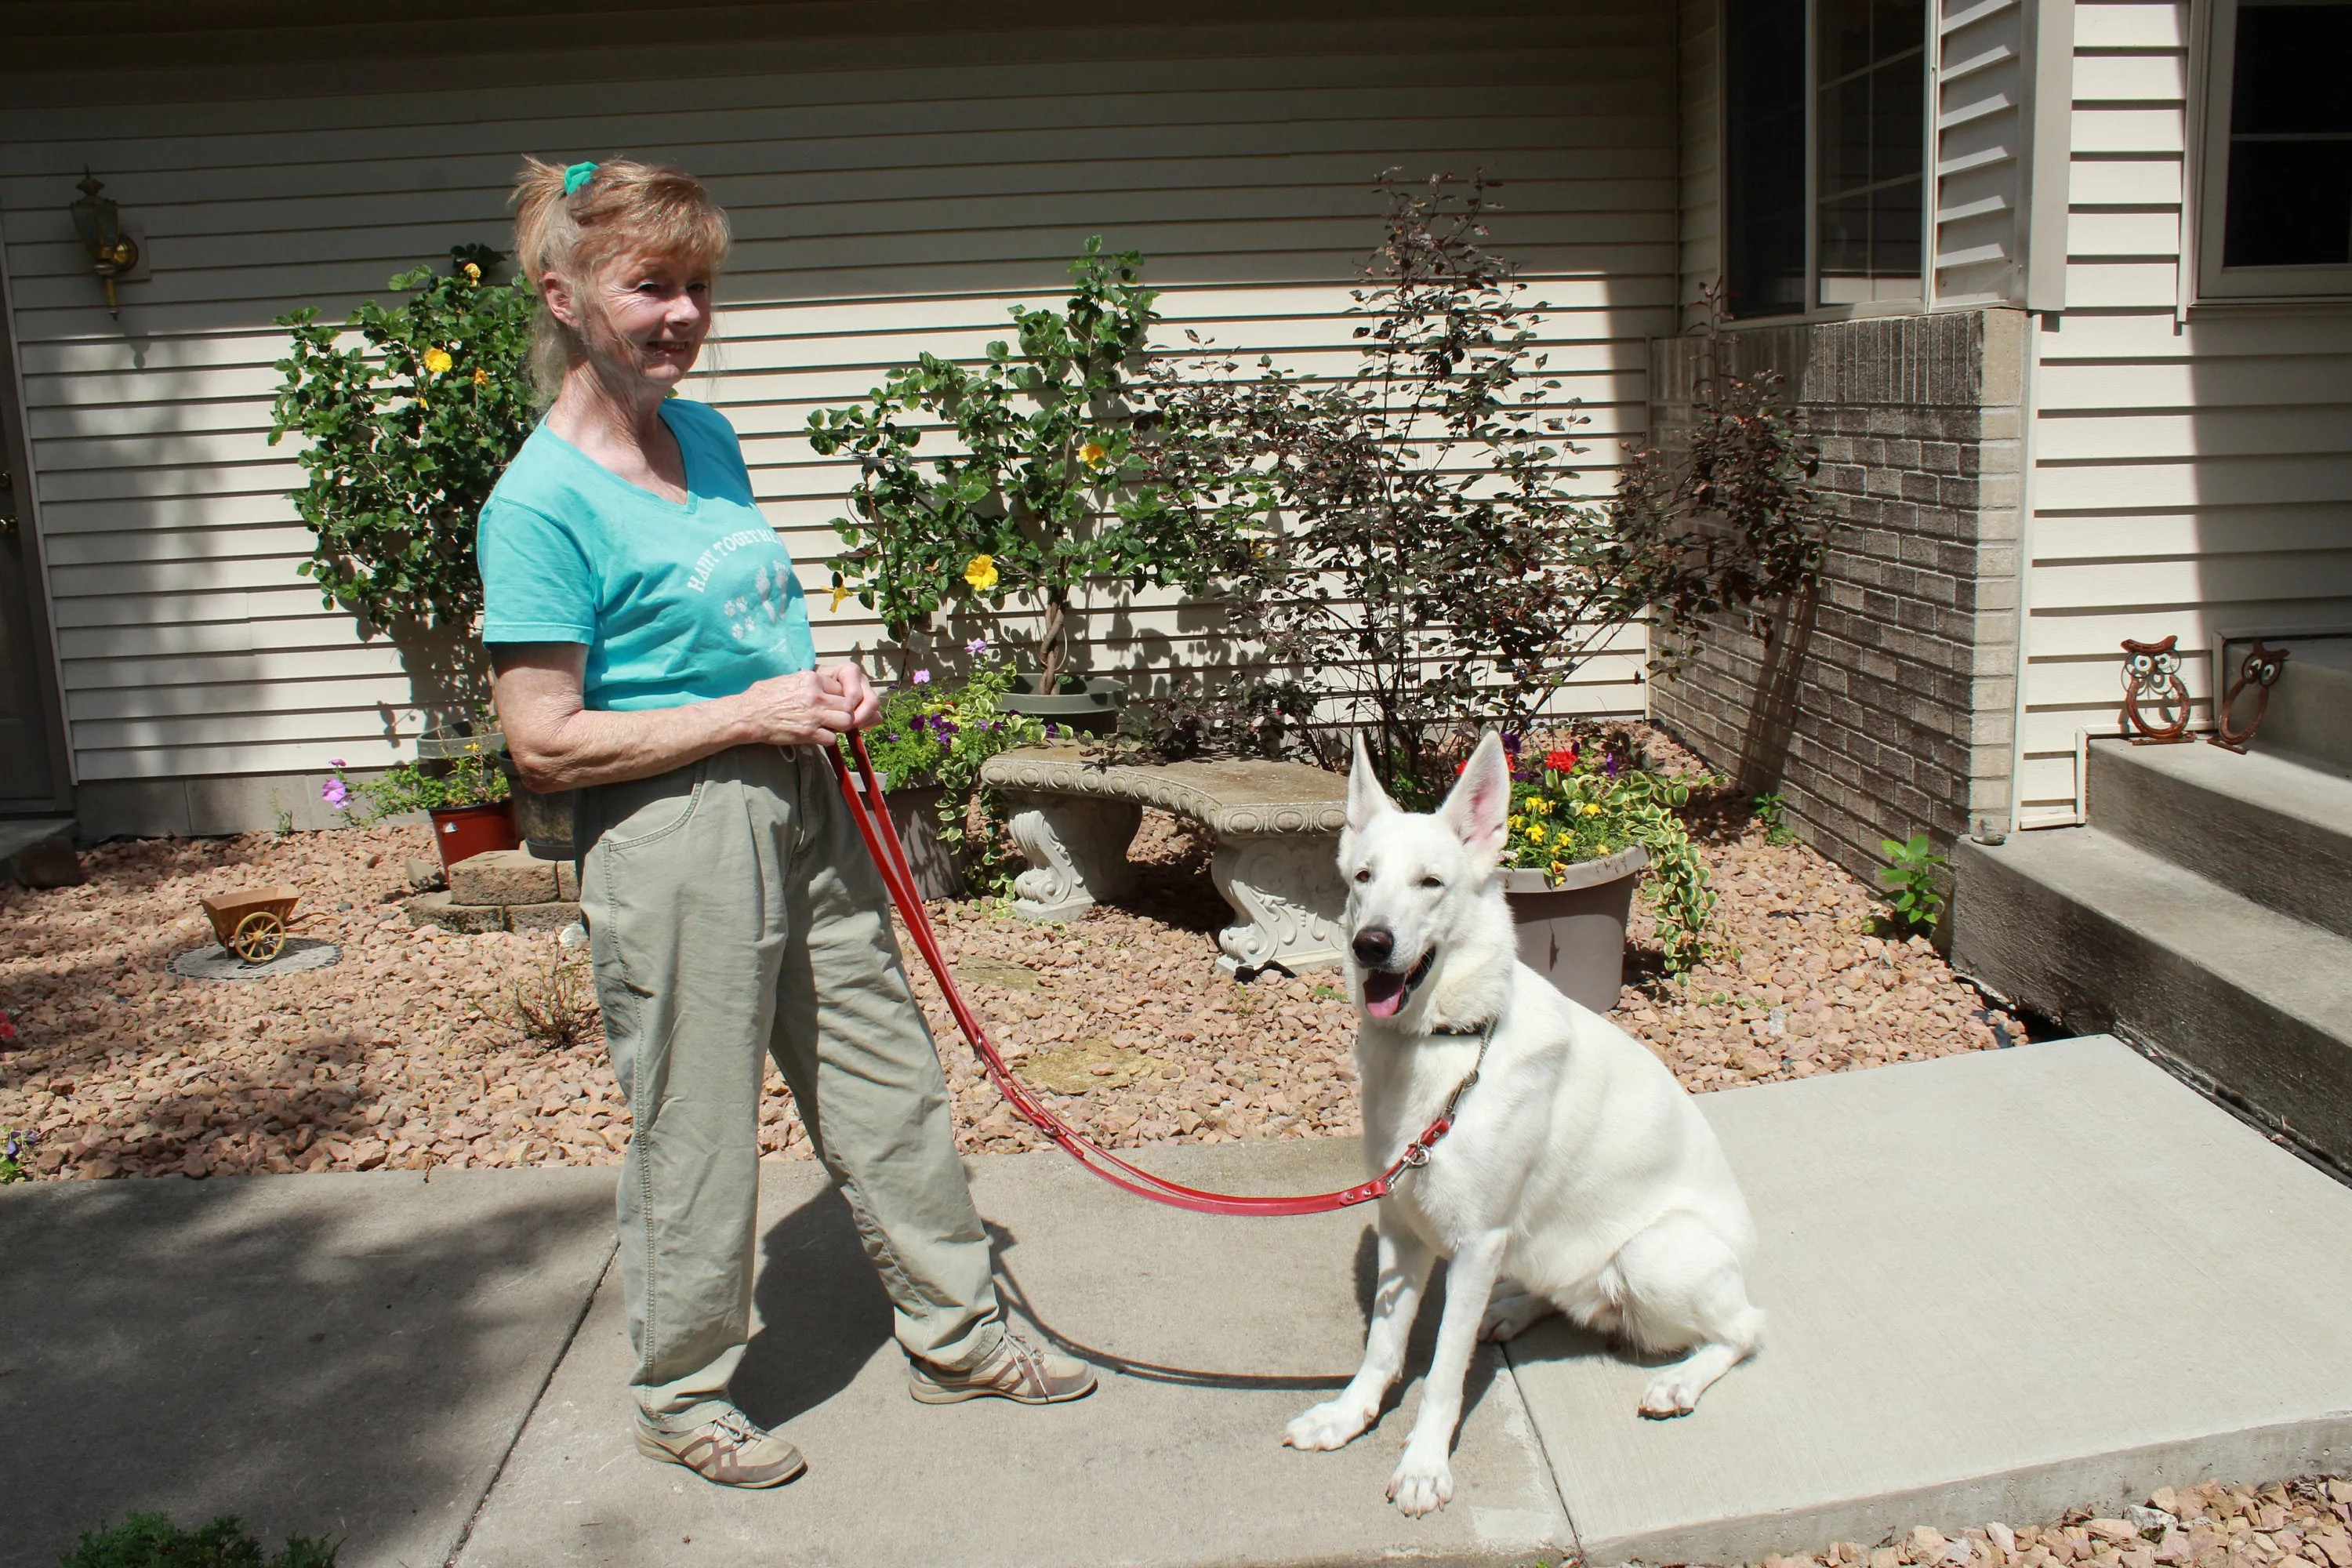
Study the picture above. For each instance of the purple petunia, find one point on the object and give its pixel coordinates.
(977, 644)
(1610, 764)
(922, 678)
(336, 794)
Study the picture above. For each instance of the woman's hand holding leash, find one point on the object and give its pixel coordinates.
(810, 709)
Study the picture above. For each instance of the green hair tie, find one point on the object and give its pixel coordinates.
(576, 176)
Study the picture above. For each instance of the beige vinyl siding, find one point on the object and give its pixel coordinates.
(889, 194)
(2191, 474)
(1978, 133)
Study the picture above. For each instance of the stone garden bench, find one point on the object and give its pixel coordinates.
(1275, 826)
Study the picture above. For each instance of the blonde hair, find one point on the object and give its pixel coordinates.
(624, 207)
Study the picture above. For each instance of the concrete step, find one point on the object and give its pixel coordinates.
(2310, 716)
(2274, 830)
(2082, 926)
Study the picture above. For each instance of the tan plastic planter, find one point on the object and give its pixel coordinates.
(1573, 927)
(915, 812)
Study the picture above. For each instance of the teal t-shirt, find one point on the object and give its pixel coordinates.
(678, 602)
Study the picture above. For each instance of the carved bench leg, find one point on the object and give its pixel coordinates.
(1288, 895)
(1077, 850)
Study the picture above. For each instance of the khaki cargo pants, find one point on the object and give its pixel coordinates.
(734, 912)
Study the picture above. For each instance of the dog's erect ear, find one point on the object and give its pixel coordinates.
(1366, 798)
(1481, 801)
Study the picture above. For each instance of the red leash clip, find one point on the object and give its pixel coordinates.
(881, 837)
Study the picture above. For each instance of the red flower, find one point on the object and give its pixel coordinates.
(1460, 767)
(1560, 761)
(7, 1029)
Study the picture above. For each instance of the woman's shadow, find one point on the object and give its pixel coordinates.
(823, 1313)
(824, 1316)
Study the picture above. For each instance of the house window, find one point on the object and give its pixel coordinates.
(1824, 153)
(2276, 208)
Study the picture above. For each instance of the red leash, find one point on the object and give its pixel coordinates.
(890, 857)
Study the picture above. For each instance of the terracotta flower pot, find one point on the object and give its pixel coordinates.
(462, 832)
(1571, 927)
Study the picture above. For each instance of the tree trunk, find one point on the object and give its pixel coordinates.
(1053, 646)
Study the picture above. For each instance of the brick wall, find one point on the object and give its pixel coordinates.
(1883, 702)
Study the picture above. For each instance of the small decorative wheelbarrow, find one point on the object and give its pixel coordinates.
(251, 923)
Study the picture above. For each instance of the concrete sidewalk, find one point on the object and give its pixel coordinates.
(1999, 1285)
(346, 1355)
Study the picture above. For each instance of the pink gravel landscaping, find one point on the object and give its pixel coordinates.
(407, 1054)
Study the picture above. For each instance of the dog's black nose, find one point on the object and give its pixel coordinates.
(1373, 944)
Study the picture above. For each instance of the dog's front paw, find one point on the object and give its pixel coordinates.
(1672, 1392)
(1423, 1483)
(1333, 1424)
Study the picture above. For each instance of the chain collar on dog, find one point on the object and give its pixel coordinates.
(1416, 1153)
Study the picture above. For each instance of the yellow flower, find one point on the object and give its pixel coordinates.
(481, 376)
(981, 573)
(839, 593)
(1540, 806)
(437, 360)
(1093, 453)
(1519, 822)
(1560, 868)
(1535, 833)
(1591, 808)
(473, 273)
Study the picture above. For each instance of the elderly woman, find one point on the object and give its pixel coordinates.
(652, 651)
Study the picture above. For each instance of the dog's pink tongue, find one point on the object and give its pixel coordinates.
(1383, 993)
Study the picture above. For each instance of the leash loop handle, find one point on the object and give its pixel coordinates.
(867, 808)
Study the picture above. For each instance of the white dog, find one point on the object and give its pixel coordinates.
(1578, 1176)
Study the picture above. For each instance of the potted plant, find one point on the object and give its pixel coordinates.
(1583, 828)
(543, 822)
(1044, 496)
(928, 745)
(465, 796)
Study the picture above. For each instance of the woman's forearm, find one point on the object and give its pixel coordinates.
(558, 743)
(588, 747)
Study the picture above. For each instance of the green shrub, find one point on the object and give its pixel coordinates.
(1910, 877)
(153, 1540)
(1044, 494)
(407, 433)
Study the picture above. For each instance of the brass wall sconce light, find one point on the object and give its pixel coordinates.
(98, 221)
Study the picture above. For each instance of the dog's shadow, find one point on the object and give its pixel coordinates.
(1419, 1348)
(824, 1316)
